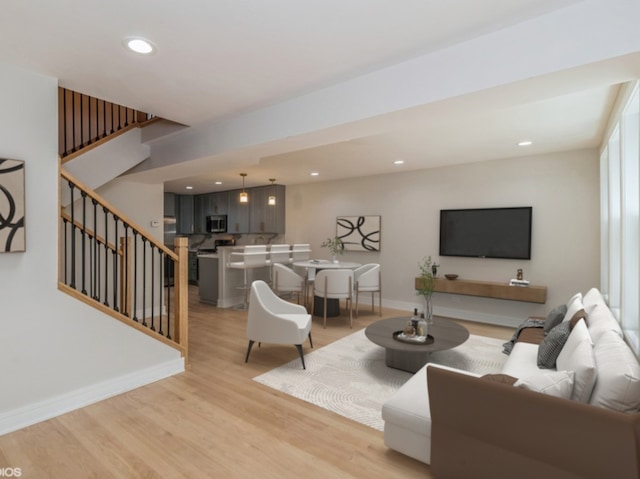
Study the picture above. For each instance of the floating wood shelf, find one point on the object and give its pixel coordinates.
(488, 289)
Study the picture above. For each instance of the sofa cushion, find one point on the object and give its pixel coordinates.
(552, 344)
(554, 383)
(601, 319)
(592, 297)
(555, 317)
(577, 356)
(572, 308)
(618, 384)
(522, 361)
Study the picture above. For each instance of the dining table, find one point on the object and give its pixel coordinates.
(314, 265)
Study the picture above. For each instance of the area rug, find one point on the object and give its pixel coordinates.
(350, 378)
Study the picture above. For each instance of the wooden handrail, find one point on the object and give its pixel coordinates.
(99, 280)
(104, 203)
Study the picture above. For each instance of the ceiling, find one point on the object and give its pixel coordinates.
(220, 59)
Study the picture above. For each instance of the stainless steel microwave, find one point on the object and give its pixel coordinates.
(216, 224)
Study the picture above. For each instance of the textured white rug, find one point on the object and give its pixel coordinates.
(350, 378)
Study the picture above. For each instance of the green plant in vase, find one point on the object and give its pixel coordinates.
(335, 246)
(426, 283)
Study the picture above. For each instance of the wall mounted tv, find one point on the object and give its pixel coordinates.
(486, 232)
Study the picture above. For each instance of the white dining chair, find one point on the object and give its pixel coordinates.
(367, 279)
(286, 280)
(334, 284)
(250, 257)
(276, 321)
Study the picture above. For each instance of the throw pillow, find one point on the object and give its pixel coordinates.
(601, 319)
(500, 378)
(555, 317)
(577, 356)
(554, 383)
(575, 306)
(552, 344)
(580, 314)
(618, 384)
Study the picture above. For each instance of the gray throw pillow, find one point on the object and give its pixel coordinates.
(555, 317)
(552, 344)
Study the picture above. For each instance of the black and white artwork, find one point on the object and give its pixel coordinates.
(12, 237)
(359, 233)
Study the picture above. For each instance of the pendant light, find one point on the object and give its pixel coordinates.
(271, 201)
(244, 197)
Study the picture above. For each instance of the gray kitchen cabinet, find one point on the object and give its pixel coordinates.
(193, 267)
(170, 205)
(238, 213)
(184, 214)
(208, 280)
(265, 218)
(219, 203)
(208, 204)
(201, 208)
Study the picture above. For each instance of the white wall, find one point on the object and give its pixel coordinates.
(57, 354)
(562, 188)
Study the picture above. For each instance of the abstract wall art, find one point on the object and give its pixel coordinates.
(359, 233)
(12, 237)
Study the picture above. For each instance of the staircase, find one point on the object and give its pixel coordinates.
(105, 259)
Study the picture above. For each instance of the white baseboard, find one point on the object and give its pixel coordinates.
(41, 411)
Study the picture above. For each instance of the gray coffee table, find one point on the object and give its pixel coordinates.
(446, 334)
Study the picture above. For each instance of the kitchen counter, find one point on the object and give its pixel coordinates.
(230, 280)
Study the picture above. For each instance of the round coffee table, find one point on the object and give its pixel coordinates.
(409, 357)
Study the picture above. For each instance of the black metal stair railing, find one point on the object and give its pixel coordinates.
(115, 264)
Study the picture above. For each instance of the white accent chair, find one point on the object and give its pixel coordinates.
(253, 256)
(367, 279)
(334, 284)
(274, 320)
(286, 280)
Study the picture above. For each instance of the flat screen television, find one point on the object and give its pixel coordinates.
(486, 232)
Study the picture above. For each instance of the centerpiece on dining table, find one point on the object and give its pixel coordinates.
(335, 246)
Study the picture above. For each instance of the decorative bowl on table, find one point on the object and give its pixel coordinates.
(451, 276)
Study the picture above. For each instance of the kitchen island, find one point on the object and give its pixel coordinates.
(222, 286)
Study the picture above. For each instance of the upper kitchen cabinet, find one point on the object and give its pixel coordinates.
(184, 214)
(266, 218)
(238, 213)
(170, 205)
(206, 205)
(219, 203)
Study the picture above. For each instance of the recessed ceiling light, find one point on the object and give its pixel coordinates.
(314, 173)
(139, 45)
(218, 182)
(525, 143)
(398, 162)
(188, 187)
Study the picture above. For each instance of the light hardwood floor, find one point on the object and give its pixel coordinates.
(214, 420)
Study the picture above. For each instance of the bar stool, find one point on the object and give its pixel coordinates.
(253, 256)
(302, 252)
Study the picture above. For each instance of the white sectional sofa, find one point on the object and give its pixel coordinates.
(578, 419)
